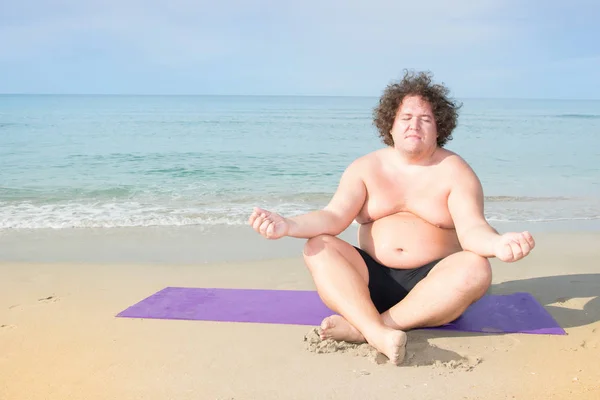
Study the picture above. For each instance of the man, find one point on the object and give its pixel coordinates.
(424, 242)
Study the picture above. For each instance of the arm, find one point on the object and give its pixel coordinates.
(343, 208)
(465, 203)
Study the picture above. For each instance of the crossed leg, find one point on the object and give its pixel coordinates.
(341, 278)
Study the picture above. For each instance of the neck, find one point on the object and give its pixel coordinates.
(422, 159)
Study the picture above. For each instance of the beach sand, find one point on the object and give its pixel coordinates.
(60, 339)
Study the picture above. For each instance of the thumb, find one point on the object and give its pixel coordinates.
(500, 248)
(261, 211)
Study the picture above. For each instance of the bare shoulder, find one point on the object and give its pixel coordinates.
(367, 162)
(459, 173)
(455, 165)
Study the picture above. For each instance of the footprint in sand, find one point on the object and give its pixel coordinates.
(592, 343)
(49, 299)
(5, 327)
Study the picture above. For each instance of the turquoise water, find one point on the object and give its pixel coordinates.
(112, 161)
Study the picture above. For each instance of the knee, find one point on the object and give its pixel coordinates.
(317, 245)
(476, 274)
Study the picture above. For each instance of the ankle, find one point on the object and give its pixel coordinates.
(375, 332)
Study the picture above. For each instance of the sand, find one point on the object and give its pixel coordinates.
(60, 339)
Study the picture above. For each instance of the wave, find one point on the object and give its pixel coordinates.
(197, 190)
(10, 125)
(525, 199)
(536, 220)
(157, 220)
(129, 215)
(183, 212)
(579, 116)
(56, 195)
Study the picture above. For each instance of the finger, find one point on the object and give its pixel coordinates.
(270, 230)
(252, 217)
(260, 211)
(257, 222)
(525, 247)
(264, 226)
(517, 252)
(529, 239)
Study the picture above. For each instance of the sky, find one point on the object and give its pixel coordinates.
(479, 48)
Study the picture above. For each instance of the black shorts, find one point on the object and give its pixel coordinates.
(388, 286)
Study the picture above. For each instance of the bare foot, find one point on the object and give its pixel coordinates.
(337, 328)
(396, 349)
(392, 343)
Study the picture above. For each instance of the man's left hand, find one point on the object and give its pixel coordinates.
(513, 246)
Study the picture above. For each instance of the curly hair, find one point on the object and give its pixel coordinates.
(445, 110)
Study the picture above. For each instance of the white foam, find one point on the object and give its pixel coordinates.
(128, 214)
(113, 214)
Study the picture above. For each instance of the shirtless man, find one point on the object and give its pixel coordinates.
(423, 240)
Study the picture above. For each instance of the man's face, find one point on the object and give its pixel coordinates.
(414, 130)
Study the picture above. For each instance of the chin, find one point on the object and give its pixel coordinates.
(413, 150)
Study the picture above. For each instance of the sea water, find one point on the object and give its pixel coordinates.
(134, 161)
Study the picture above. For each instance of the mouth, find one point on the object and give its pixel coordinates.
(412, 137)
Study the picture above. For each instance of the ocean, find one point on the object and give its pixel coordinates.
(135, 161)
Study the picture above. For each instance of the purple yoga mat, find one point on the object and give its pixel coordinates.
(518, 312)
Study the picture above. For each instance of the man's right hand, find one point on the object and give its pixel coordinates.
(269, 224)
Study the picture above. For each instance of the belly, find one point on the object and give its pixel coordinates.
(406, 241)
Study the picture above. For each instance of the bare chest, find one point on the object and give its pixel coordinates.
(424, 195)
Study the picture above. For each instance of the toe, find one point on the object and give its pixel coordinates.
(327, 324)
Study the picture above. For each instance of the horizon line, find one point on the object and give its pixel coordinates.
(281, 95)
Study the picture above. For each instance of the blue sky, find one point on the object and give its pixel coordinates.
(480, 48)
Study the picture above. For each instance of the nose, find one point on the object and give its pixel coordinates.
(414, 123)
